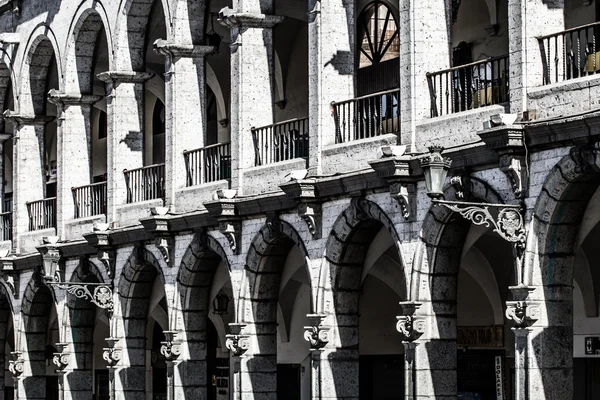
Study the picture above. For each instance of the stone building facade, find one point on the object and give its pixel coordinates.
(227, 199)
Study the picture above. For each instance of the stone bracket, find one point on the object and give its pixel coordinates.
(410, 325)
(237, 342)
(462, 186)
(224, 210)
(514, 166)
(405, 195)
(170, 348)
(232, 19)
(311, 213)
(11, 277)
(112, 354)
(17, 365)
(62, 357)
(158, 226)
(303, 191)
(100, 239)
(232, 230)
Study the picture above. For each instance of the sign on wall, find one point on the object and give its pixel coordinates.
(499, 380)
(480, 336)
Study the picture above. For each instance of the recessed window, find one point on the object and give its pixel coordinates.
(102, 125)
(378, 33)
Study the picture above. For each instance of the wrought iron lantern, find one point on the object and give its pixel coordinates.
(212, 37)
(435, 168)
(51, 258)
(221, 303)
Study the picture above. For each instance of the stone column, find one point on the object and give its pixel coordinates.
(125, 131)
(112, 355)
(238, 343)
(77, 367)
(170, 349)
(61, 360)
(16, 366)
(29, 175)
(318, 336)
(528, 19)
(185, 95)
(331, 70)
(543, 342)
(252, 81)
(425, 42)
(74, 148)
(411, 327)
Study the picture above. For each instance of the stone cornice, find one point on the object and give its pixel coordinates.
(57, 97)
(124, 76)
(170, 49)
(24, 119)
(231, 19)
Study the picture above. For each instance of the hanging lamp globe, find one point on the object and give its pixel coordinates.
(221, 303)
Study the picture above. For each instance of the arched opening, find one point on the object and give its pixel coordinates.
(41, 334)
(366, 272)
(206, 309)
(6, 156)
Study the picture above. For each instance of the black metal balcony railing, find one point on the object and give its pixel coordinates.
(208, 164)
(478, 84)
(281, 141)
(570, 54)
(6, 225)
(367, 116)
(42, 214)
(146, 183)
(90, 200)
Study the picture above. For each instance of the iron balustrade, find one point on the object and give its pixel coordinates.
(570, 54)
(208, 164)
(42, 214)
(281, 141)
(146, 183)
(6, 225)
(90, 200)
(477, 84)
(367, 116)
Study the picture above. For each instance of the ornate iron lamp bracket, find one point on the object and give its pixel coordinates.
(507, 223)
(101, 296)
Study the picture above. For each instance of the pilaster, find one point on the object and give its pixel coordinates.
(74, 145)
(125, 131)
(185, 91)
(252, 83)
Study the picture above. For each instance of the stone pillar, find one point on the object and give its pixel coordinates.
(77, 368)
(425, 42)
(185, 95)
(411, 327)
(74, 150)
(252, 81)
(61, 360)
(318, 337)
(238, 342)
(170, 349)
(331, 70)
(29, 175)
(528, 19)
(112, 355)
(125, 131)
(16, 366)
(543, 342)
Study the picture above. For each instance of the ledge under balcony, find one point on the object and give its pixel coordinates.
(362, 126)
(208, 169)
(570, 63)
(461, 98)
(90, 208)
(145, 191)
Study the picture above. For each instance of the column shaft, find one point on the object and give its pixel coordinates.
(331, 69)
(125, 133)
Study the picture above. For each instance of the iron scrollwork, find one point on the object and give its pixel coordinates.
(102, 296)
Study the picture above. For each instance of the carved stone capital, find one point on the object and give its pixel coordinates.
(62, 357)
(237, 342)
(170, 49)
(514, 168)
(232, 19)
(315, 333)
(232, 230)
(410, 325)
(10, 276)
(311, 214)
(170, 348)
(521, 310)
(112, 354)
(16, 366)
(71, 99)
(116, 77)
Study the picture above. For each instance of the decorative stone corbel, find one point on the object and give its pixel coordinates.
(100, 239)
(357, 207)
(304, 192)
(274, 224)
(315, 333)
(10, 276)
(461, 184)
(170, 348)
(410, 326)
(112, 354)
(405, 196)
(16, 366)
(224, 210)
(158, 226)
(107, 257)
(514, 168)
(62, 357)
(522, 311)
(237, 342)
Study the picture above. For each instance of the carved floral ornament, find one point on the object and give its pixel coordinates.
(237, 344)
(521, 310)
(170, 348)
(317, 336)
(112, 354)
(62, 357)
(410, 325)
(16, 366)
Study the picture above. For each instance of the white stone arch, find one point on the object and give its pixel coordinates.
(40, 34)
(215, 86)
(126, 58)
(85, 9)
